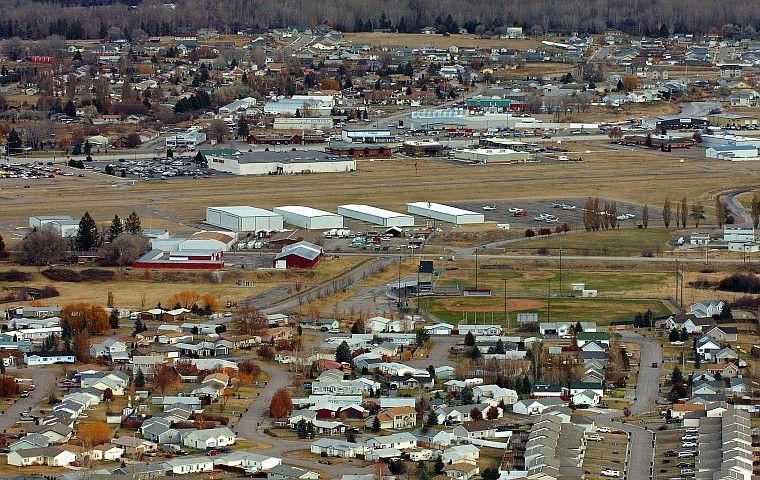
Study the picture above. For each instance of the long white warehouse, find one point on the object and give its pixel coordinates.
(309, 218)
(243, 219)
(376, 216)
(445, 213)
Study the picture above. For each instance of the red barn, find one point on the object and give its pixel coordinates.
(298, 255)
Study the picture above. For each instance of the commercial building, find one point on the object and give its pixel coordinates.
(309, 218)
(298, 255)
(302, 105)
(376, 216)
(281, 163)
(243, 219)
(719, 139)
(444, 213)
(188, 140)
(490, 155)
(184, 259)
(361, 135)
(422, 148)
(301, 123)
(38, 221)
(359, 151)
(239, 105)
(732, 120)
(216, 241)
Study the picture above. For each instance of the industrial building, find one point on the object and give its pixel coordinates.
(38, 221)
(490, 155)
(243, 219)
(204, 240)
(309, 218)
(301, 123)
(187, 259)
(281, 163)
(185, 140)
(376, 216)
(302, 105)
(298, 255)
(362, 135)
(733, 152)
(359, 151)
(444, 213)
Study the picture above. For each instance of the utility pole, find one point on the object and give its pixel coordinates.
(477, 250)
(680, 309)
(506, 312)
(548, 296)
(560, 269)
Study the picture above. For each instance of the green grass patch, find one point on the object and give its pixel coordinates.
(625, 242)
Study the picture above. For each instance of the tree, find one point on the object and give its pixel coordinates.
(217, 130)
(755, 209)
(421, 337)
(674, 336)
(139, 378)
(469, 339)
(126, 249)
(69, 109)
(14, 143)
(684, 211)
(91, 318)
(96, 433)
(492, 413)
(132, 225)
(697, 212)
(438, 465)
(281, 404)
(343, 353)
(375, 425)
(476, 414)
(526, 385)
(107, 395)
(87, 234)
(3, 252)
(113, 319)
(164, 376)
(82, 346)
(490, 473)
(432, 419)
(242, 127)
(466, 395)
(676, 376)
(42, 246)
(666, 213)
(248, 320)
(116, 228)
(421, 471)
(358, 326)
(530, 233)
(139, 326)
(721, 211)
(645, 215)
(266, 353)
(684, 334)
(397, 467)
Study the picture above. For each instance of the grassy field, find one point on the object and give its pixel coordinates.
(622, 242)
(414, 40)
(601, 310)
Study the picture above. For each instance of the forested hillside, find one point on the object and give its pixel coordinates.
(102, 18)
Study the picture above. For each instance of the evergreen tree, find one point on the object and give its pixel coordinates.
(375, 425)
(13, 142)
(432, 419)
(438, 465)
(499, 348)
(139, 378)
(526, 386)
(139, 326)
(69, 109)
(343, 353)
(132, 225)
(113, 319)
(87, 234)
(674, 336)
(466, 396)
(87, 148)
(116, 228)
(242, 127)
(469, 339)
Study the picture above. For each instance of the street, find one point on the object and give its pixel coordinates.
(44, 382)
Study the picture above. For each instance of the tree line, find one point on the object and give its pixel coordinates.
(87, 19)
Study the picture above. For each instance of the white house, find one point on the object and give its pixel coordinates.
(212, 437)
(494, 392)
(439, 329)
(109, 347)
(185, 465)
(536, 406)
(337, 448)
(476, 330)
(400, 441)
(48, 358)
(250, 461)
(107, 452)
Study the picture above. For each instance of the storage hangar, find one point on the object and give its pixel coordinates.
(298, 255)
(490, 155)
(732, 152)
(243, 219)
(309, 218)
(376, 216)
(445, 213)
(204, 240)
(281, 163)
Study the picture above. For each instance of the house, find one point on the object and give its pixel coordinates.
(461, 453)
(479, 429)
(694, 325)
(106, 452)
(337, 448)
(432, 438)
(706, 346)
(723, 334)
(564, 329)
(287, 472)
(543, 389)
(48, 358)
(599, 337)
(51, 456)
(212, 437)
(536, 406)
(185, 465)
(459, 414)
(56, 433)
(400, 441)
(440, 329)
(726, 355)
(250, 461)
(578, 387)
(728, 370)
(461, 471)
(588, 398)
(444, 372)
(111, 348)
(134, 446)
(30, 440)
(479, 330)
(706, 309)
(298, 255)
(394, 418)
(146, 363)
(495, 393)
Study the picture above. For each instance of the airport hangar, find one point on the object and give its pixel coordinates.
(444, 213)
(309, 218)
(243, 219)
(281, 163)
(376, 216)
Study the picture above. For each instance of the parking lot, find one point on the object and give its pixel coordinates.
(608, 455)
(670, 456)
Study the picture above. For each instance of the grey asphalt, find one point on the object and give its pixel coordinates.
(44, 382)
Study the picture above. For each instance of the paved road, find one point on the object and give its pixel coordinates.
(44, 382)
(439, 354)
(741, 215)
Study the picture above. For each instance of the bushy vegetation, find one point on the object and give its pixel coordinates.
(740, 282)
(89, 275)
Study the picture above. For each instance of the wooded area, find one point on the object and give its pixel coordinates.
(88, 19)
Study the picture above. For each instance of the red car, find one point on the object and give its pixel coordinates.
(212, 453)
(671, 453)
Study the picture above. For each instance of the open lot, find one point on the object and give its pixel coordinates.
(666, 467)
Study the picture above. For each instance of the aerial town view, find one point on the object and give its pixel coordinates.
(353, 240)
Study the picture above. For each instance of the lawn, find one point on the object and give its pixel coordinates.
(622, 242)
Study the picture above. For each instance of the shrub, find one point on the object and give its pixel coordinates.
(740, 282)
(97, 274)
(62, 275)
(14, 275)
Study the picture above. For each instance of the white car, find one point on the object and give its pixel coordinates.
(515, 210)
(489, 208)
(603, 430)
(552, 220)
(687, 438)
(540, 218)
(689, 444)
(568, 207)
(677, 343)
(608, 472)
(595, 438)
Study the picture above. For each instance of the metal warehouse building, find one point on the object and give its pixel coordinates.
(310, 218)
(243, 219)
(376, 216)
(281, 163)
(444, 213)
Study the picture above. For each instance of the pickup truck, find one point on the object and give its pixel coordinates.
(607, 472)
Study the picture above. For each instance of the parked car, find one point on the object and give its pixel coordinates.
(608, 472)
(671, 453)
(595, 438)
(604, 430)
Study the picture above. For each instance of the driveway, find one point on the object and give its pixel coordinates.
(44, 382)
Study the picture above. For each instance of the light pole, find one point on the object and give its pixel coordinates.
(477, 250)
(548, 297)
(506, 312)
